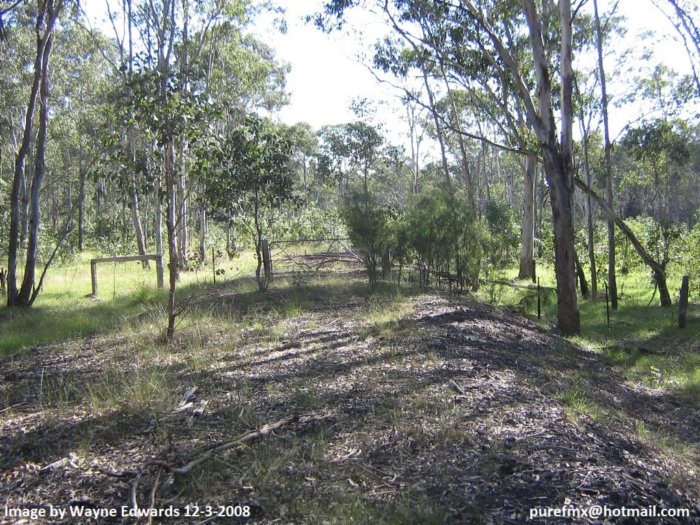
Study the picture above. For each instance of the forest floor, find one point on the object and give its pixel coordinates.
(413, 407)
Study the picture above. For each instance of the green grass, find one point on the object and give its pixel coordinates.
(643, 340)
(63, 310)
(577, 401)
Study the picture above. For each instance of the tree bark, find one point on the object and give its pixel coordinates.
(202, 234)
(172, 236)
(136, 217)
(583, 284)
(590, 227)
(527, 256)
(158, 227)
(557, 158)
(18, 182)
(24, 296)
(81, 198)
(612, 280)
(183, 239)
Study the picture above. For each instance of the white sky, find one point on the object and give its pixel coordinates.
(326, 74)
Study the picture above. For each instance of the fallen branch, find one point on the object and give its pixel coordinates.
(203, 457)
(458, 388)
(248, 436)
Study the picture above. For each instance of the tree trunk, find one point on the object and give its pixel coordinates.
(81, 200)
(527, 256)
(202, 235)
(568, 316)
(658, 270)
(158, 227)
(259, 274)
(590, 227)
(172, 236)
(136, 217)
(18, 181)
(583, 284)
(25, 297)
(183, 240)
(557, 157)
(612, 280)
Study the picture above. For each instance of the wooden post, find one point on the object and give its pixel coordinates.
(539, 309)
(213, 263)
(93, 275)
(607, 304)
(267, 264)
(683, 304)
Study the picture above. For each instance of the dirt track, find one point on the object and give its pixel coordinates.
(452, 413)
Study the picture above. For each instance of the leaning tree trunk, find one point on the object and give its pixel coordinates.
(658, 270)
(527, 256)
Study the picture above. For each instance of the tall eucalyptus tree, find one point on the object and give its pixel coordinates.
(47, 13)
(482, 34)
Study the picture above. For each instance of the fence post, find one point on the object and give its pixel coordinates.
(93, 275)
(539, 310)
(683, 303)
(213, 263)
(607, 305)
(267, 263)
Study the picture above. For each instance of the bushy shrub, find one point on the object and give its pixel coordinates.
(437, 229)
(504, 230)
(446, 236)
(370, 228)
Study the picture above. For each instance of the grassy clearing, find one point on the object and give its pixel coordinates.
(379, 422)
(642, 340)
(127, 295)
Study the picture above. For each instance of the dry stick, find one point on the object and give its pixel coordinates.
(134, 491)
(263, 431)
(152, 505)
(12, 406)
(458, 388)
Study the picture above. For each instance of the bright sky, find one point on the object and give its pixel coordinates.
(327, 75)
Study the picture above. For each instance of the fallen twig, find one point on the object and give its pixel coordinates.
(262, 431)
(134, 491)
(152, 504)
(458, 388)
(11, 407)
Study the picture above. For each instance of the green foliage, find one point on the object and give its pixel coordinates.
(446, 236)
(250, 174)
(370, 228)
(250, 168)
(308, 222)
(505, 232)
